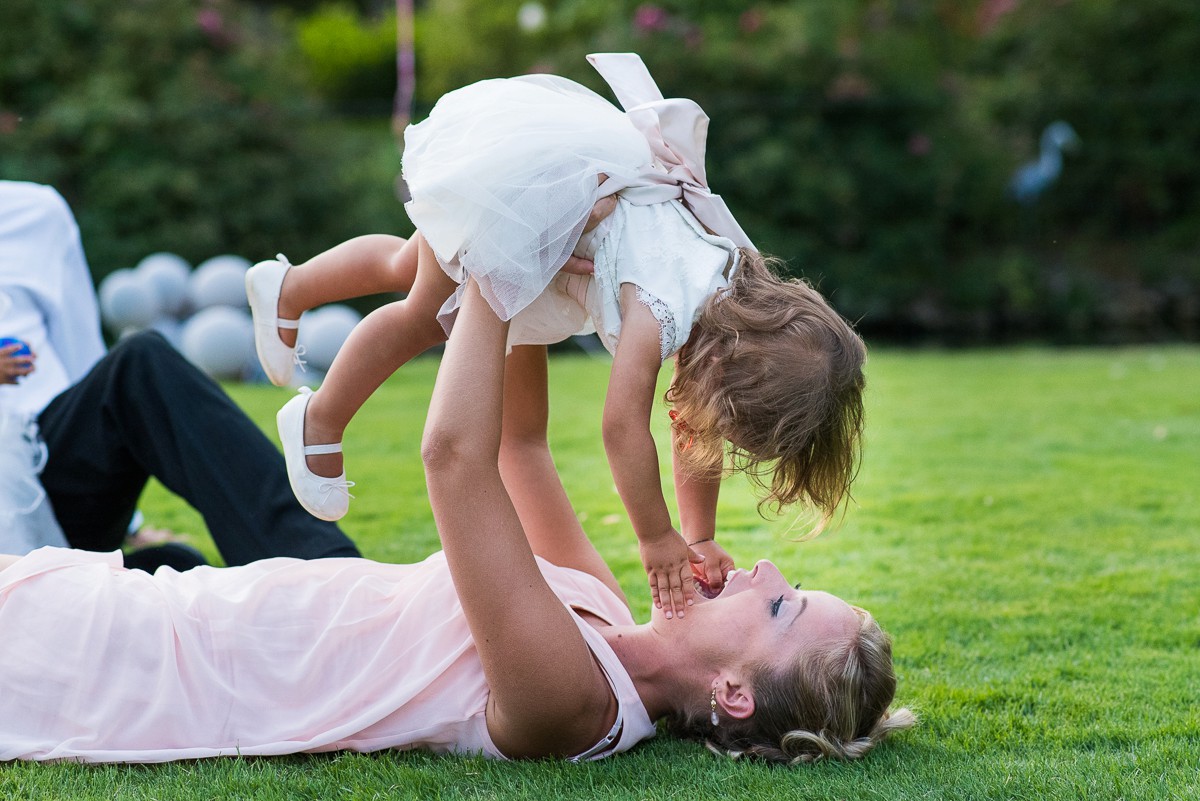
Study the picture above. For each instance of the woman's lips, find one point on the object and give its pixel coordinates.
(706, 591)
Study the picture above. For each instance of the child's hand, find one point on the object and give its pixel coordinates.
(667, 559)
(13, 367)
(716, 564)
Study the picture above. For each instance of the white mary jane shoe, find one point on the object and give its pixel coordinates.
(264, 282)
(326, 498)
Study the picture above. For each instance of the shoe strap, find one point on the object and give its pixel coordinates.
(321, 450)
(290, 325)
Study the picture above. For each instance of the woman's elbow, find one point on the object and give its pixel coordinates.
(443, 450)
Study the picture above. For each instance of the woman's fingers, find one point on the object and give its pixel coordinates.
(602, 208)
(578, 266)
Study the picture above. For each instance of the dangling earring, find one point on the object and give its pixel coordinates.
(713, 703)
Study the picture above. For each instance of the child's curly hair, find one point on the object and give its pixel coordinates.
(772, 369)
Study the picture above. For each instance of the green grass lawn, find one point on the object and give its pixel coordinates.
(1026, 525)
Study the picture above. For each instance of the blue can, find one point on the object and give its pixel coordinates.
(22, 351)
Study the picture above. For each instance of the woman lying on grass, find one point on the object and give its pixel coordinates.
(483, 648)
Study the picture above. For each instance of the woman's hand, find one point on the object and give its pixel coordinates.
(603, 207)
(716, 565)
(13, 367)
(667, 560)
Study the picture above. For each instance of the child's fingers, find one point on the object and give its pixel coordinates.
(682, 590)
(689, 588)
(713, 575)
(654, 594)
(669, 588)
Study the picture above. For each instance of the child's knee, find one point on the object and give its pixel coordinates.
(433, 333)
(403, 266)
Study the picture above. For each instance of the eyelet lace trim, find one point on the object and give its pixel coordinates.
(666, 321)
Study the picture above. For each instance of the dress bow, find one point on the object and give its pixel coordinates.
(676, 129)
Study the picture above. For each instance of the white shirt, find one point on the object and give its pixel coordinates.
(52, 302)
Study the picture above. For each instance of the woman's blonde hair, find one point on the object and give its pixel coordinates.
(832, 704)
(772, 369)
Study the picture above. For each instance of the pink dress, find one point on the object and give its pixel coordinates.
(104, 664)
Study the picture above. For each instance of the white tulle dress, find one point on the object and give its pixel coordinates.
(503, 175)
(104, 664)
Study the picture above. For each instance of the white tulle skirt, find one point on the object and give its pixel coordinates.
(503, 174)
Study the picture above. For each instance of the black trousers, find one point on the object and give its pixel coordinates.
(144, 411)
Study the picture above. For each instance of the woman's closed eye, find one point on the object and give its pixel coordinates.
(778, 602)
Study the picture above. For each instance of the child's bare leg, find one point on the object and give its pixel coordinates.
(365, 265)
(384, 340)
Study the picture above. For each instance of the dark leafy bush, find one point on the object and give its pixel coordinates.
(171, 124)
(870, 143)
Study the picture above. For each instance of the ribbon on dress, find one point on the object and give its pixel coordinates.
(676, 129)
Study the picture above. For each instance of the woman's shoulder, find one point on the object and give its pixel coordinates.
(585, 594)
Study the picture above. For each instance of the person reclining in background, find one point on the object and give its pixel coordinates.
(110, 422)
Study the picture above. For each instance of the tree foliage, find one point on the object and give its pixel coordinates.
(170, 125)
(870, 143)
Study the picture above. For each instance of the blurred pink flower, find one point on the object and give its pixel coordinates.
(750, 21)
(650, 18)
(210, 21)
(849, 86)
(919, 144)
(990, 13)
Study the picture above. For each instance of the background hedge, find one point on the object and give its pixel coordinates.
(868, 142)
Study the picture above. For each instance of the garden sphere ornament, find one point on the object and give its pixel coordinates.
(322, 333)
(220, 341)
(219, 281)
(169, 275)
(1032, 179)
(128, 301)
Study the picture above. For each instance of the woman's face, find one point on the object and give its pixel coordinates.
(762, 618)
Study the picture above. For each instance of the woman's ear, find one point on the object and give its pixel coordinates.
(735, 698)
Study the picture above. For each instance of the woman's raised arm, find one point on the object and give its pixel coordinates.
(529, 473)
(548, 696)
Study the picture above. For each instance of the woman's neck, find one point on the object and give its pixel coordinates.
(661, 675)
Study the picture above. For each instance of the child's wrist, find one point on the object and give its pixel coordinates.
(701, 540)
(660, 536)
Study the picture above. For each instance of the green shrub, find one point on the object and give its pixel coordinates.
(172, 125)
(351, 58)
(870, 143)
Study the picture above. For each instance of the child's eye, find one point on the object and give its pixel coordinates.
(775, 606)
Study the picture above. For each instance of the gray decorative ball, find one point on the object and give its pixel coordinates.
(169, 275)
(219, 340)
(219, 281)
(128, 301)
(323, 331)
